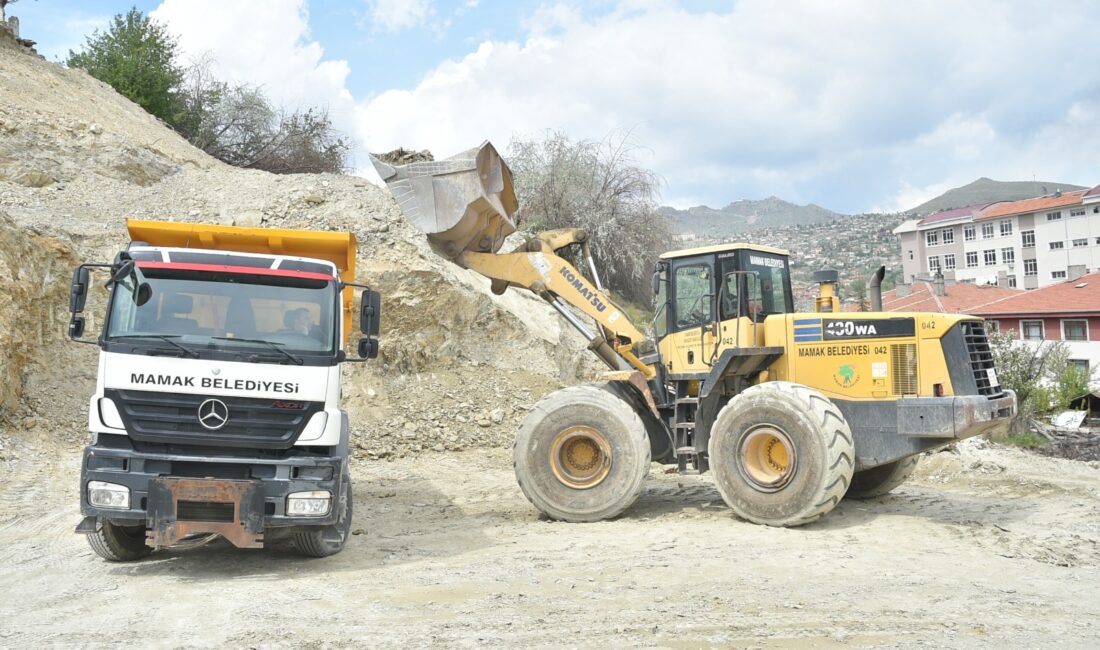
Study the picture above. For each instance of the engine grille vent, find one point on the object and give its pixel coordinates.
(981, 357)
(903, 362)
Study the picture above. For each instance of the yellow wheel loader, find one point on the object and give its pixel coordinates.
(790, 411)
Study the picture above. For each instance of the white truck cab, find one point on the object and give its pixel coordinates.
(217, 401)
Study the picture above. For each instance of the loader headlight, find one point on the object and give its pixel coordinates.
(108, 495)
(308, 504)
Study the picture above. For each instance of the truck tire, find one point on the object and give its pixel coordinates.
(582, 454)
(119, 543)
(323, 541)
(877, 481)
(782, 454)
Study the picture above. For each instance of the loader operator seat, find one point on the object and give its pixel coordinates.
(169, 322)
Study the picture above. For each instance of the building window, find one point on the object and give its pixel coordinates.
(932, 238)
(1075, 330)
(1012, 281)
(1006, 228)
(1008, 255)
(1031, 267)
(972, 259)
(1032, 330)
(1029, 238)
(1080, 243)
(993, 326)
(968, 233)
(1081, 364)
(1077, 213)
(949, 262)
(1058, 275)
(990, 257)
(1054, 216)
(987, 231)
(934, 264)
(910, 254)
(949, 236)
(1057, 245)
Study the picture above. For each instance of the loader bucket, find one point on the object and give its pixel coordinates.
(462, 203)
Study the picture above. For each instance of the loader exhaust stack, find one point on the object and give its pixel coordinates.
(463, 203)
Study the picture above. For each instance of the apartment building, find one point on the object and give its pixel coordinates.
(1023, 244)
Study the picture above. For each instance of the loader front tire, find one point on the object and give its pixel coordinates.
(582, 454)
(877, 481)
(782, 454)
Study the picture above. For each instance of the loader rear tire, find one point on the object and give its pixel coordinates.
(877, 481)
(119, 543)
(782, 454)
(582, 454)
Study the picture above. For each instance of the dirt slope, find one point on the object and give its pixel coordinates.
(76, 160)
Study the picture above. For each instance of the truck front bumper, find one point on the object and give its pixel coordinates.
(957, 417)
(176, 495)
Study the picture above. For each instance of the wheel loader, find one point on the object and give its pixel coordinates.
(790, 411)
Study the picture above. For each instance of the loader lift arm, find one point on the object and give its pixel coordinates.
(537, 267)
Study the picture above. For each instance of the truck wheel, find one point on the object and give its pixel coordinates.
(781, 453)
(581, 454)
(877, 481)
(323, 541)
(119, 543)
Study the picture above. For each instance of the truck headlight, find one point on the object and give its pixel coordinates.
(308, 504)
(108, 495)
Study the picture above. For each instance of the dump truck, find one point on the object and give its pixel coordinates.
(790, 411)
(216, 410)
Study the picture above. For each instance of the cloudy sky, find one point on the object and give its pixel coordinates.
(852, 105)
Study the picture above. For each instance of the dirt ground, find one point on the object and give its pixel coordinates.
(986, 548)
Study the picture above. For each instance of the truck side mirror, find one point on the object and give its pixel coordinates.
(121, 272)
(368, 348)
(370, 313)
(76, 326)
(656, 282)
(78, 291)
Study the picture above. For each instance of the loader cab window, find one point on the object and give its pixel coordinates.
(768, 284)
(693, 294)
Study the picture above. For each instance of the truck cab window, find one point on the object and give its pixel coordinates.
(693, 296)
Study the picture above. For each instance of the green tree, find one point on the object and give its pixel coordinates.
(859, 294)
(137, 57)
(1040, 374)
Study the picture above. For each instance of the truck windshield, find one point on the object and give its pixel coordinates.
(220, 309)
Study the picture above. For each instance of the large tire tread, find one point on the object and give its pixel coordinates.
(585, 394)
(839, 460)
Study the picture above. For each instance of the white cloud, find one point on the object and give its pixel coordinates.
(850, 105)
(398, 15)
(799, 99)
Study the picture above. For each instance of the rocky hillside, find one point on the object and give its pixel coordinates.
(987, 190)
(744, 216)
(458, 365)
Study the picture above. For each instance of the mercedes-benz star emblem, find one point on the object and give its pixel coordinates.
(213, 414)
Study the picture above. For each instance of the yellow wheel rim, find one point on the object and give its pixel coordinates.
(767, 458)
(580, 457)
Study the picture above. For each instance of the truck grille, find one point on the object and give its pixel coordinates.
(173, 418)
(981, 356)
(903, 362)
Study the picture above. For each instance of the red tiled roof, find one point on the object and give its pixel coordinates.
(1078, 296)
(961, 298)
(1025, 206)
(1093, 192)
(954, 213)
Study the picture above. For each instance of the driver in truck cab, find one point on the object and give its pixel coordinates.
(298, 321)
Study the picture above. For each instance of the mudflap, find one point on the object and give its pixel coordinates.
(179, 507)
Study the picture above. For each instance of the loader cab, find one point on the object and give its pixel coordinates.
(713, 297)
